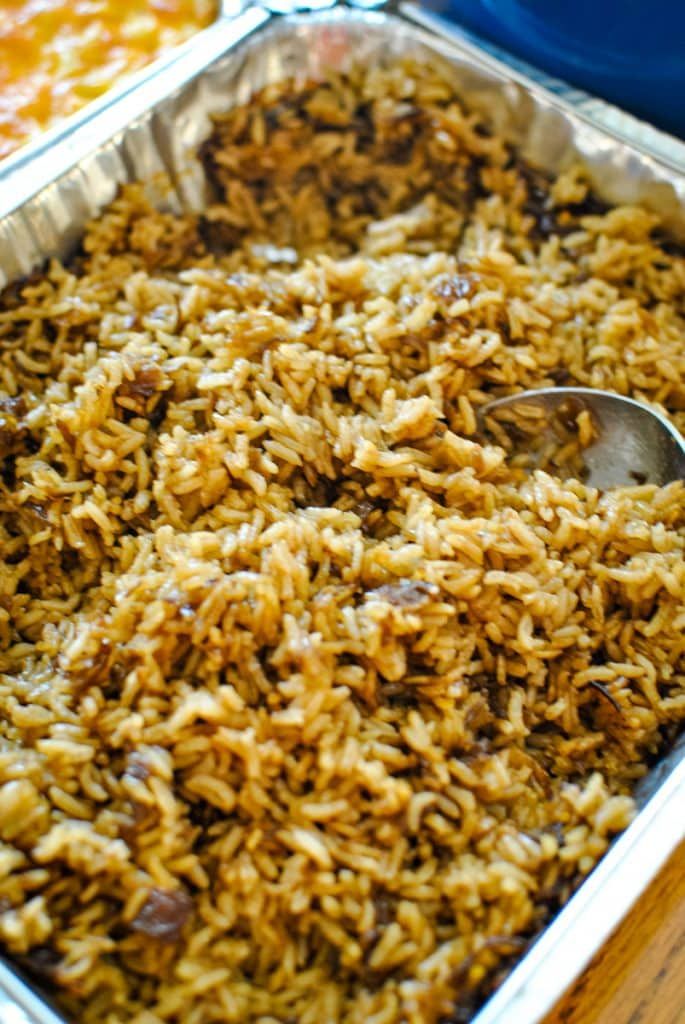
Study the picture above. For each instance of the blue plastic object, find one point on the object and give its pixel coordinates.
(631, 52)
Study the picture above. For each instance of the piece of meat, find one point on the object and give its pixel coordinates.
(406, 594)
(163, 914)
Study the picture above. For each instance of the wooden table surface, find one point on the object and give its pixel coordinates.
(639, 976)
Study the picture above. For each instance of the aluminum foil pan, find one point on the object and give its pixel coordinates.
(52, 137)
(157, 128)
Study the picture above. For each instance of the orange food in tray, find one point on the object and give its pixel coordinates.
(56, 55)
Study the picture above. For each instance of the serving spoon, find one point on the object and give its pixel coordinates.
(630, 443)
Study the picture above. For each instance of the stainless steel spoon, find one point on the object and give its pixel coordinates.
(631, 445)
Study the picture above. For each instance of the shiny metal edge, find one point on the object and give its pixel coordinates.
(20, 159)
(607, 119)
(19, 1004)
(156, 129)
(599, 112)
(580, 929)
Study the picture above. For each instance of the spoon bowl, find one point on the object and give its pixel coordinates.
(626, 443)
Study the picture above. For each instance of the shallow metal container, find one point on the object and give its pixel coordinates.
(52, 137)
(157, 128)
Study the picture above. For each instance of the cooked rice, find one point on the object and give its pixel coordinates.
(315, 708)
